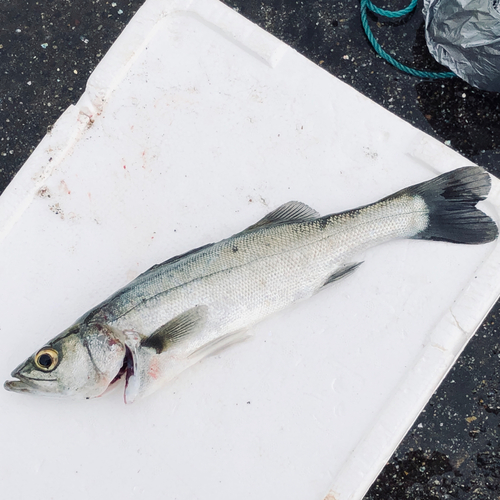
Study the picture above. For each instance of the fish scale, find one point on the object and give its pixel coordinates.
(275, 266)
(194, 304)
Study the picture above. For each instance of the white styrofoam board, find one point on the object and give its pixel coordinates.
(194, 125)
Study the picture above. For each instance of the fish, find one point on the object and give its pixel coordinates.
(195, 304)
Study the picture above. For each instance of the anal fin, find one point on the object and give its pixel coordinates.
(343, 272)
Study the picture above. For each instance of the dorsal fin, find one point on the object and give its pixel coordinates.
(292, 211)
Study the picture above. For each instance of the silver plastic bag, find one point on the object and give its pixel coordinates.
(464, 35)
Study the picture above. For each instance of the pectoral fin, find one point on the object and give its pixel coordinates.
(188, 323)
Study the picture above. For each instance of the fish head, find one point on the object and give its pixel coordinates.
(81, 362)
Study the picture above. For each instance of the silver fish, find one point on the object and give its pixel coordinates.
(192, 305)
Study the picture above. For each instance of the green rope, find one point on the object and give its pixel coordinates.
(367, 4)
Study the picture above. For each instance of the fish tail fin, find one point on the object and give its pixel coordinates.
(451, 202)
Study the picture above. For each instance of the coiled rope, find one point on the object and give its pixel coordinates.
(368, 5)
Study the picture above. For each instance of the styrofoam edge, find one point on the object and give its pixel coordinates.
(51, 151)
(112, 69)
(148, 20)
(447, 341)
(435, 154)
(378, 445)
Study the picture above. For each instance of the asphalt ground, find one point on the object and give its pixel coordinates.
(47, 51)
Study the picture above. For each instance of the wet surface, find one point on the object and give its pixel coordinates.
(453, 450)
(47, 51)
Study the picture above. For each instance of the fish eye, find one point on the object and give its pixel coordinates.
(46, 359)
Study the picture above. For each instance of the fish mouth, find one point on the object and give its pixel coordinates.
(24, 384)
(17, 386)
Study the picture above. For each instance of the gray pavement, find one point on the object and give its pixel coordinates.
(47, 51)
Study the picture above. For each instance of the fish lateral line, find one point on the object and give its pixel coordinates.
(86, 359)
